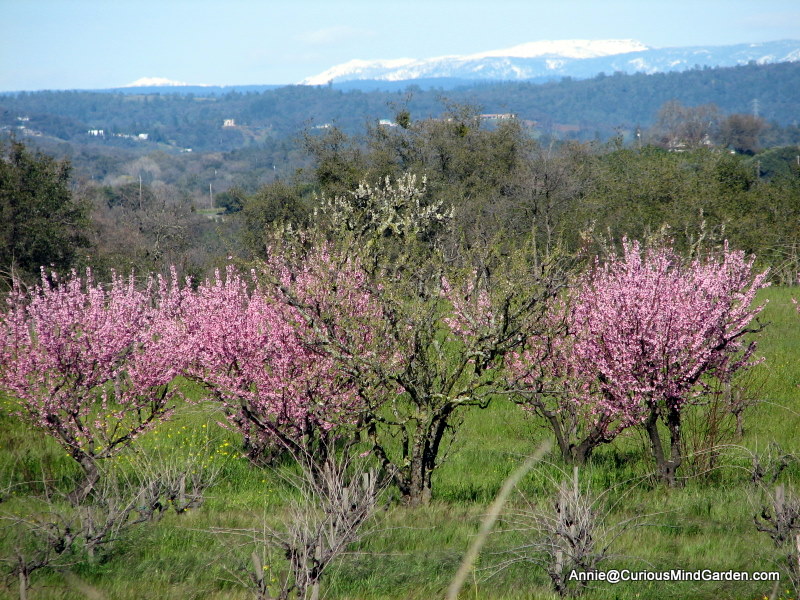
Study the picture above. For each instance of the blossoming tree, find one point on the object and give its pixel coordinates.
(650, 329)
(77, 357)
(258, 358)
(436, 337)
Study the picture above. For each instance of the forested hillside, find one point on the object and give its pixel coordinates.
(600, 106)
(699, 173)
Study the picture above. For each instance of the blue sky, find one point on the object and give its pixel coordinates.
(83, 44)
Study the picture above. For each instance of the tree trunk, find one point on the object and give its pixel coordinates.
(23, 585)
(262, 591)
(739, 424)
(676, 451)
(577, 453)
(418, 490)
(562, 440)
(667, 467)
(581, 453)
(316, 575)
(427, 440)
(90, 476)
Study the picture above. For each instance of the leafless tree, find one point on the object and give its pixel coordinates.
(547, 185)
(170, 479)
(741, 132)
(680, 127)
(55, 533)
(778, 508)
(327, 513)
(572, 532)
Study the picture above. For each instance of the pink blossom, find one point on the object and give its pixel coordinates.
(648, 328)
(77, 357)
(250, 339)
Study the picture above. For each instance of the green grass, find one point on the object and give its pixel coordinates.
(413, 553)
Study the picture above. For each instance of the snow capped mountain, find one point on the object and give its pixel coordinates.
(358, 69)
(560, 58)
(159, 82)
(485, 65)
(564, 48)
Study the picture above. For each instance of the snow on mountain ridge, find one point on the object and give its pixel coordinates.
(357, 68)
(565, 49)
(409, 68)
(564, 58)
(160, 81)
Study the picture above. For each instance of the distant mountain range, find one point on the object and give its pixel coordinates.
(535, 62)
(543, 60)
(160, 82)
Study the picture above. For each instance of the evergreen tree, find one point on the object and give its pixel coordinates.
(40, 221)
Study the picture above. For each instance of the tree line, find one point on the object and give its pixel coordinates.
(500, 181)
(596, 107)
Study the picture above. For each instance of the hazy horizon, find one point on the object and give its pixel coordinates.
(90, 44)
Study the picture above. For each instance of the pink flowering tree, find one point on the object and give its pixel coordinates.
(432, 345)
(258, 357)
(650, 331)
(441, 322)
(77, 357)
(545, 381)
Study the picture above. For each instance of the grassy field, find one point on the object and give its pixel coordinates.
(413, 553)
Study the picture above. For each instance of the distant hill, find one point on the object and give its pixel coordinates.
(188, 89)
(222, 119)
